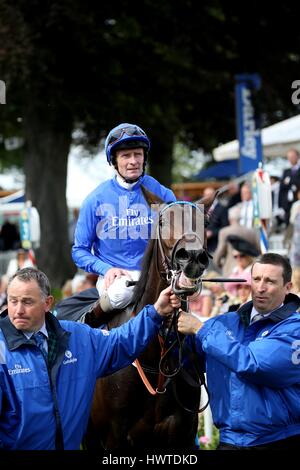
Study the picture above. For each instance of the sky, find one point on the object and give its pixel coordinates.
(84, 175)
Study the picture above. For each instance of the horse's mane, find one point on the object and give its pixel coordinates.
(141, 284)
(207, 201)
(140, 287)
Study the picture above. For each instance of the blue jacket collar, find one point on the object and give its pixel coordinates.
(291, 305)
(15, 338)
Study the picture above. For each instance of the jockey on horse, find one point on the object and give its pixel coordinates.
(116, 219)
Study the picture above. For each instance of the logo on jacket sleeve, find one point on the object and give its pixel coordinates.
(104, 332)
(69, 358)
(229, 333)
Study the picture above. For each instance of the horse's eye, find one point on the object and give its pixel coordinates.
(182, 255)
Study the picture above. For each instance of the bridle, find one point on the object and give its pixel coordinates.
(170, 339)
(171, 275)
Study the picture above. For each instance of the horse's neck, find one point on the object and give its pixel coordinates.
(120, 317)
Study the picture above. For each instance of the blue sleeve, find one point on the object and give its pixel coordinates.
(159, 189)
(169, 196)
(84, 238)
(119, 347)
(10, 411)
(272, 360)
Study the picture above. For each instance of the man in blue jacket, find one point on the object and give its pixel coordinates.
(9, 407)
(49, 367)
(116, 220)
(253, 362)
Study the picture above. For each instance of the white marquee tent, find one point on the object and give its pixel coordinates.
(276, 140)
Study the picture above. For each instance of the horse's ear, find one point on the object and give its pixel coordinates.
(207, 201)
(151, 198)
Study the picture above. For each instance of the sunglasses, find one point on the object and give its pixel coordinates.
(241, 255)
(131, 131)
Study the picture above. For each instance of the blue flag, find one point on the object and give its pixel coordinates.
(25, 228)
(248, 126)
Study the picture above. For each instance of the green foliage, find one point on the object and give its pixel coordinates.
(9, 159)
(57, 294)
(187, 163)
(168, 64)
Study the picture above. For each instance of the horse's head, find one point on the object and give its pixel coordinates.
(177, 247)
(182, 241)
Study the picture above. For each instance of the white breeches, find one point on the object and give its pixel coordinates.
(119, 295)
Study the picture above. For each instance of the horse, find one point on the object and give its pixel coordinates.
(164, 413)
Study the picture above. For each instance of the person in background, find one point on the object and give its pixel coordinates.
(244, 254)
(223, 256)
(296, 281)
(9, 236)
(83, 281)
(222, 299)
(292, 234)
(66, 289)
(115, 220)
(278, 214)
(289, 184)
(21, 261)
(53, 365)
(246, 206)
(252, 362)
(243, 292)
(79, 283)
(202, 304)
(3, 292)
(217, 220)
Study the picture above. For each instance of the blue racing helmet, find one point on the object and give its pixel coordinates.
(125, 136)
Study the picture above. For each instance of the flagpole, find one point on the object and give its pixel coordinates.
(25, 231)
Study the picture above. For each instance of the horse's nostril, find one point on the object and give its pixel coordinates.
(182, 255)
(203, 258)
